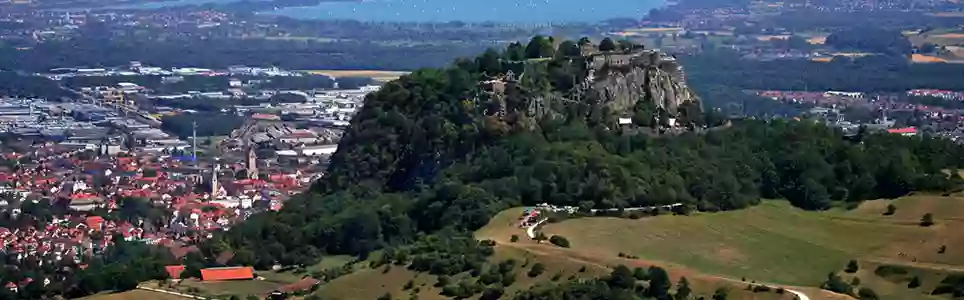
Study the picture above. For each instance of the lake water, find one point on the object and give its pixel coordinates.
(502, 11)
(505, 11)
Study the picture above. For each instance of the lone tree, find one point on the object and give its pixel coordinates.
(891, 209)
(852, 267)
(683, 290)
(559, 240)
(536, 270)
(720, 294)
(927, 220)
(607, 44)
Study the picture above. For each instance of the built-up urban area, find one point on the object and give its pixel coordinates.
(80, 172)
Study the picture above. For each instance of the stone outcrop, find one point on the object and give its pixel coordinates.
(616, 79)
(620, 80)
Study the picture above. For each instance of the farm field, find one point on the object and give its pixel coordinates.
(374, 74)
(240, 288)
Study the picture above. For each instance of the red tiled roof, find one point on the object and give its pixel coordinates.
(903, 130)
(174, 271)
(302, 285)
(227, 273)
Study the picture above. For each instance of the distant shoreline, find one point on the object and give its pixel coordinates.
(399, 11)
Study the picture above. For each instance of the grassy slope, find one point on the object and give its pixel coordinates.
(772, 242)
(777, 243)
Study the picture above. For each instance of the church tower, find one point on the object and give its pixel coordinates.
(214, 178)
(252, 164)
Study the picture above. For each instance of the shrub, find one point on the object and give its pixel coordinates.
(582, 269)
(536, 270)
(927, 220)
(514, 238)
(492, 293)
(508, 279)
(852, 267)
(386, 296)
(867, 294)
(720, 294)
(556, 277)
(640, 274)
(891, 209)
(761, 289)
(560, 241)
(408, 285)
(855, 281)
(622, 254)
(914, 282)
(942, 249)
(442, 281)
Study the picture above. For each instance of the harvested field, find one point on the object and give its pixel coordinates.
(374, 74)
(920, 58)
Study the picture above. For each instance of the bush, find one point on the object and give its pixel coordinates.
(556, 277)
(537, 269)
(560, 241)
(720, 294)
(855, 281)
(760, 289)
(514, 238)
(914, 282)
(492, 293)
(508, 279)
(942, 249)
(867, 294)
(386, 296)
(927, 220)
(891, 209)
(852, 267)
(640, 274)
(442, 281)
(408, 285)
(622, 254)
(582, 269)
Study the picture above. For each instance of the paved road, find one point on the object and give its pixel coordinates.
(171, 293)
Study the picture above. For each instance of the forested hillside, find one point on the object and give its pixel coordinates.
(418, 159)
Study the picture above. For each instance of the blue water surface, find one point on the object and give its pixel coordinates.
(502, 11)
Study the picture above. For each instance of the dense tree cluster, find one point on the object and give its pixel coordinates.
(208, 123)
(873, 40)
(419, 158)
(622, 283)
(873, 74)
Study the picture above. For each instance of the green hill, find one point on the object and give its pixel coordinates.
(435, 155)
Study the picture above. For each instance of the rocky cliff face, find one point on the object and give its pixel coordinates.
(620, 89)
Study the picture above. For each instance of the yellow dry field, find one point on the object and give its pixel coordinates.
(920, 58)
(956, 14)
(817, 40)
(765, 38)
(374, 74)
(648, 31)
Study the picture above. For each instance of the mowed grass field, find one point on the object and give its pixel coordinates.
(777, 243)
(503, 226)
